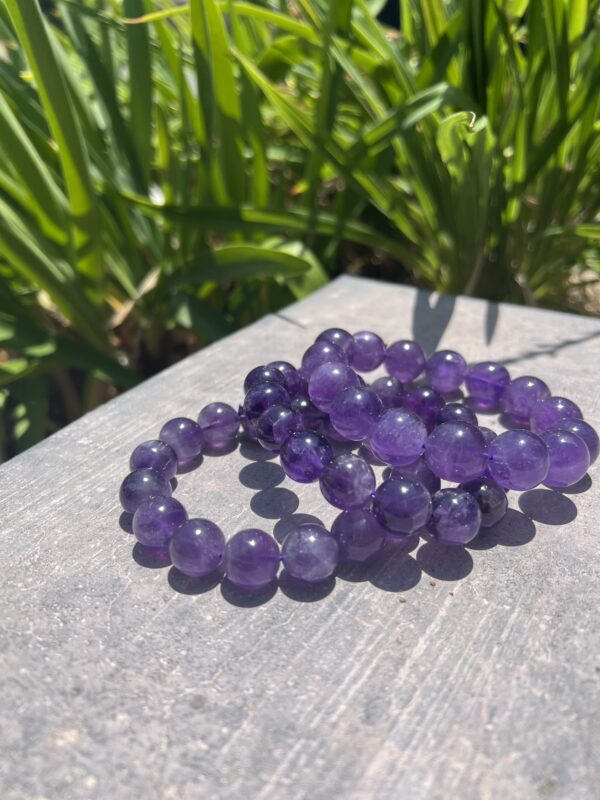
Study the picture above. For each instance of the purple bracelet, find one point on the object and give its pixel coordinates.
(418, 430)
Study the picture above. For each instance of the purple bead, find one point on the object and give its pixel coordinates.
(490, 497)
(585, 431)
(405, 360)
(327, 381)
(359, 534)
(569, 458)
(251, 559)
(310, 553)
(197, 547)
(220, 425)
(347, 481)
(418, 471)
(311, 416)
(456, 412)
(268, 374)
(156, 520)
(550, 411)
(426, 403)
(293, 380)
(337, 336)
(263, 396)
(521, 395)
(366, 351)
(518, 460)
(402, 506)
(141, 485)
(185, 437)
(304, 455)
(275, 425)
(389, 390)
(456, 451)
(248, 427)
(455, 517)
(354, 412)
(446, 370)
(485, 383)
(155, 455)
(488, 434)
(320, 353)
(398, 437)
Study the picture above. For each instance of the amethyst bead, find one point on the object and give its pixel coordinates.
(569, 458)
(327, 381)
(293, 380)
(426, 403)
(251, 559)
(366, 351)
(418, 471)
(310, 553)
(404, 360)
(488, 434)
(389, 390)
(518, 460)
(311, 416)
(347, 482)
(320, 353)
(262, 397)
(485, 383)
(304, 455)
(402, 506)
(155, 455)
(490, 497)
(521, 395)
(337, 336)
(359, 534)
(156, 520)
(585, 431)
(197, 547)
(354, 412)
(185, 437)
(456, 412)
(220, 425)
(398, 437)
(268, 374)
(550, 411)
(455, 517)
(140, 485)
(456, 451)
(275, 425)
(446, 370)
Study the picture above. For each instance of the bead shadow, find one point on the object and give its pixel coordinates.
(396, 570)
(247, 598)
(189, 466)
(261, 475)
(443, 562)
(126, 522)
(584, 485)
(151, 557)
(547, 506)
(274, 503)
(252, 451)
(304, 592)
(184, 584)
(513, 530)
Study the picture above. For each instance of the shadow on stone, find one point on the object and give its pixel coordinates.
(126, 522)
(151, 557)
(514, 530)
(274, 503)
(185, 585)
(247, 598)
(444, 563)
(189, 466)
(547, 506)
(254, 452)
(288, 523)
(584, 485)
(304, 592)
(397, 572)
(261, 475)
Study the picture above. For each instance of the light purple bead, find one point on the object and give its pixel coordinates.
(366, 351)
(263, 396)
(389, 390)
(456, 451)
(418, 471)
(275, 425)
(402, 506)
(569, 458)
(490, 497)
(263, 374)
(518, 460)
(488, 434)
(347, 481)
(446, 370)
(197, 547)
(550, 411)
(521, 395)
(293, 380)
(337, 336)
(141, 485)
(398, 437)
(426, 403)
(456, 412)
(156, 520)
(320, 353)
(310, 553)
(155, 455)
(405, 360)
(455, 517)
(251, 559)
(354, 412)
(304, 455)
(328, 380)
(485, 383)
(359, 534)
(220, 425)
(185, 437)
(311, 416)
(585, 431)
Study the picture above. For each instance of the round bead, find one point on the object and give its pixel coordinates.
(389, 390)
(426, 403)
(220, 425)
(347, 481)
(446, 370)
(456, 412)
(550, 411)
(518, 460)
(263, 396)
(456, 451)
(251, 559)
(354, 412)
(366, 351)
(490, 497)
(185, 437)
(293, 380)
(402, 506)
(247, 426)
(337, 336)
(156, 520)
(197, 547)
(304, 455)
(455, 517)
(310, 553)
(141, 485)
(155, 455)
(359, 534)
(485, 383)
(327, 381)
(488, 434)
(311, 416)
(520, 396)
(405, 360)
(268, 374)
(275, 425)
(320, 353)
(569, 458)
(585, 431)
(398, 437)
(418, 471)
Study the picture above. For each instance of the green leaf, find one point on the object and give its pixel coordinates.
(140, 86)
(236, 262)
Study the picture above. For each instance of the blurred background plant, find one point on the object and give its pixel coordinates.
(171, 172)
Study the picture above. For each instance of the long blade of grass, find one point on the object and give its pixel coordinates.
(140, 87)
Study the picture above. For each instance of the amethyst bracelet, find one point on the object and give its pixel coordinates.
(418, 430)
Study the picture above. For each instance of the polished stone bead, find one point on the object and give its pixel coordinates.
(263, 374)
(141, 485)
(328, 380)
(251, 559)
(275, 425)
(488, 434)
(310, 553)
(366, 351)
(304, 455)
(320, 353)
(456, 451)
(569, 458)
(337, 336)
(456, 412)
(197, 547)
(550, 411)
(389, 390)
(294, 382)
(354, 412)
(491, 499)
(360, 536)
(347, 481)
(184, 436)
(417, 471)
(584, 430)
(445, 370)
(426, 404)
(156, 520)
(398, 437)
(263, 396)
(455, 517)
(248, 427)
(402, 506)
(518, 460)
(405, 360)
(220, 424)
(156, 455)
(311, 416)
(485, 383)
(521, 395)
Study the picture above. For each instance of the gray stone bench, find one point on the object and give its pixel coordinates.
(464, 674)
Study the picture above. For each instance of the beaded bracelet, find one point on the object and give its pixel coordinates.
(418, 431)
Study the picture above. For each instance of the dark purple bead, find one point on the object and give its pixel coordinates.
(155, 455)
(425, 402)
(456, 412)
(337, 336)
(310, 553)
(585, 431)
(185, 437)
(197, 547)
(456, 451)
(354, 412)
(320, 353)
(518, 460)
(141, 485)
(293, 380)
(327, 381)
(398, 437)
(304, 455)
(418, 471)
(405, 360)
(220, 425)
(347, 481)
(521, 395)
(275, 425)
(249, 428)
(485, 383)
(156, 520)
(569, 458)
(366, 351)
(263, 374)
(446, 370)
(488, 434)
(389, 390)
(402, 506)
(455, 517)
(251, 559)
(550, 411)
(327, 430)
(359, 534)
(490, 497)
(311, 416)
(263, 396)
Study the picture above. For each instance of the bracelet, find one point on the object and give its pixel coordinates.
(419, 431)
